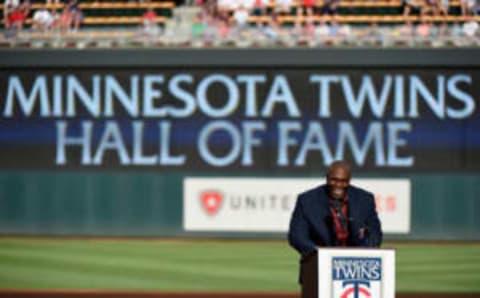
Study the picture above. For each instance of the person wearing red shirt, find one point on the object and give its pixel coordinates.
(150, 15)
(308, 7)
(16, 18)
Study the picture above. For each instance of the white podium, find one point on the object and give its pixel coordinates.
(349, 273)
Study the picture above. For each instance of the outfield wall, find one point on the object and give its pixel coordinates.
(99, 142)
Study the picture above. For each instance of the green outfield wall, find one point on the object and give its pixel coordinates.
(128, 204)
(99, 142)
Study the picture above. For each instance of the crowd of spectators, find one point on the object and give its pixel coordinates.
(260, 7)
(234, 21)
(313, 24)
(65, 16)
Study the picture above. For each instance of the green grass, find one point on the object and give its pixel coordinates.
(210, 265)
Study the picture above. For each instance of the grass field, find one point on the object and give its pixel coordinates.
(210, 265)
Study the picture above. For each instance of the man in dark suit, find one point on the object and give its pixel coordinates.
(335, 214)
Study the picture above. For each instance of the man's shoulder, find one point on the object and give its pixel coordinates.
(312, 193)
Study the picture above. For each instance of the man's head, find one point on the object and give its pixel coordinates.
(338, 179)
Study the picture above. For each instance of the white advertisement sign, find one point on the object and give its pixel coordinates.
(266, 204)
(356, 273)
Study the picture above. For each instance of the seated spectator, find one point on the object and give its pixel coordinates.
(198, 27)
(76, 14)
(149, 25)
(226, 5)
(224, 28)
(406, 30)
(55, 2)
(322, 30)
(209, 7)
(442, 30)
(434, 7)
(345, 31)
(411, 6)
(65, 20)
(223, 17)
(16, 17)
(374, 34)
(423, 29)
(334, 27)
(283, 6)
(194, 2)
(456, 30)
(470, 27)
(444, 7)
(248, 4)
(8, 7)
(210, 31)
(272, 30)
(308, 7)
(298, 23)
(467, 6)
(309, 27)
(43, 20)
(240, 17)
(476, 7)
(330, 7)
(149, 17)
(259, 9)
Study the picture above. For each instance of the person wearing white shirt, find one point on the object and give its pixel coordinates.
(466, 6)
(241, 16)
(283, 5)
(470, 27)
(42, 20)
(322, 30)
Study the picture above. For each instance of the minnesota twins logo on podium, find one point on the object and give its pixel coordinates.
(356, 277)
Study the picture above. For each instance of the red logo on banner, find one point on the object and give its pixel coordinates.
(349, 291)
(211, 201)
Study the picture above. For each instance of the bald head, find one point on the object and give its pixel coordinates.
(338, 179)
(340, 165)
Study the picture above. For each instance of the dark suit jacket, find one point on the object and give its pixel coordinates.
(311, 224)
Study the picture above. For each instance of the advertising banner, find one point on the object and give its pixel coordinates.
(290, 119)
(356, 273)
(266, 204)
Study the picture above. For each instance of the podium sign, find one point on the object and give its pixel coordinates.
(356, 273)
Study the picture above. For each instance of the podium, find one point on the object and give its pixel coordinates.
(348, 273)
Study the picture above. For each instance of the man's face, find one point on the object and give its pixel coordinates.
(338, 180)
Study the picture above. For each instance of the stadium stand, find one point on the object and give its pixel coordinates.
(167, 24)
(113, 13)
